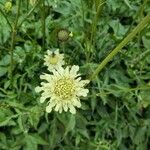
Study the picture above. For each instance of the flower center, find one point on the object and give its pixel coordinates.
(64, 88)
(53, 59)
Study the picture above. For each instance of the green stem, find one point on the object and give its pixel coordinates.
(95, 20)
(43, 23)
(141, 15)
(122, 89)
(98, 8)
(29, 13)
(13, 37)
(6, 18)
(82, 12)
(137, 29)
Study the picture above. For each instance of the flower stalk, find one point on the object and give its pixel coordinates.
(43, 23)
(13, 37)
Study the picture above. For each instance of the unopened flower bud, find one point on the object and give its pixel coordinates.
(63, 35)
(8, 6)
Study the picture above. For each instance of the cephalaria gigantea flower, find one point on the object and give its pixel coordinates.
(63, 89)
(54, 59)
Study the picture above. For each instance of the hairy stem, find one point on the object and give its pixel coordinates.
(137, 29)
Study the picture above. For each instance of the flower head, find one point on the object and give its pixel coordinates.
(63, 89)
(53, 60)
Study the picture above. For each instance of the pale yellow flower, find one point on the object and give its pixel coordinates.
(54, 60)
(63, 89)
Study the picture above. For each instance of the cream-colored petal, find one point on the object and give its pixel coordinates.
(60, 63)
(51, 104)
(56, 75)
(57, 52)
(66, 72)
(50, 68)
(76, 102)
(78, 79)
(74, 70)
(49, 52)
(48, 109)
(38, 89)
(72, 109)
(82, 92)
(60, 70)
(44, 96)
(46, 59)
(61, 56)
(46, 77)
(60, 110)
(42, 99)
(82, 83)
(65, 107)
(57, 107)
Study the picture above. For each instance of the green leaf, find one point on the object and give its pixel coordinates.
(35, 114)
(71, 124)
(84, 133)
(118, 28)
(146, 42)
(3, 71)
(33, 140)
(128, 4)
(8, 121)
(5, 60)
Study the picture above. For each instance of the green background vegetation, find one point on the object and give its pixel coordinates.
(116, 113)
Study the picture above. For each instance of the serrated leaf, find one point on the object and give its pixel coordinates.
(8, 121)
(35, 114)
(33, 140)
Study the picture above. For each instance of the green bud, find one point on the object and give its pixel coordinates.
(32, 2)
(8, 6)
(63, 35)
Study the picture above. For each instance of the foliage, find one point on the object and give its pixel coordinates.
(116, 114)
